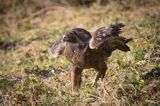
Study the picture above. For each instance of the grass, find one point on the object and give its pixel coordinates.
(30, 76)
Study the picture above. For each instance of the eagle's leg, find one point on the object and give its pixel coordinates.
(103, 72)
(100, 74)
(76, 79)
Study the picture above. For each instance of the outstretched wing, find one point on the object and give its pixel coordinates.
(105, 33)
(57, 48)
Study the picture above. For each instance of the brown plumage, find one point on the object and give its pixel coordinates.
(104, 34)
(76, 48)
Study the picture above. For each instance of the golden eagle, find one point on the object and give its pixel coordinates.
(85, 51)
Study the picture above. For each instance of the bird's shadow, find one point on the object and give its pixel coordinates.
(7, 45)
(42, 73)
(154, 73)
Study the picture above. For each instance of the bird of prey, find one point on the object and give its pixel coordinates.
(85, 51)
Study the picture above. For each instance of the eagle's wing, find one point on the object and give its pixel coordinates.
(104, 34)
(57, 48)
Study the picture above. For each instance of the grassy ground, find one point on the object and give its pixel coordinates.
(30, 76)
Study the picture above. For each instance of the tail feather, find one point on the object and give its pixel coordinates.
(125, 40)
(123, 48)
(128, 40)
(121, 44)
(118, 43)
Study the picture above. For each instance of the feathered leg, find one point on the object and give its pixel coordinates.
(76, 79)
(101, 71)
(98, 75)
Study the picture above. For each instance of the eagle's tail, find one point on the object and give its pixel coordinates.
(123, 39)
(118, 43)
(121, 43)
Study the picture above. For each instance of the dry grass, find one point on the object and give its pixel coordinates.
(30, 76)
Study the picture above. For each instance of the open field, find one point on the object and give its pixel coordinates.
(30, 76)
